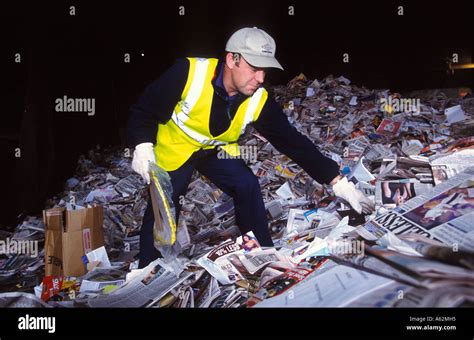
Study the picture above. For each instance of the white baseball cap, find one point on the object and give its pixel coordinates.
(255, 45)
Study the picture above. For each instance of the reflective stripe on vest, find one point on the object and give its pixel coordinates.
(253, 103)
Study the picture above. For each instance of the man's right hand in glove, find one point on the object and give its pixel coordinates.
(346, 190)
(141, 156)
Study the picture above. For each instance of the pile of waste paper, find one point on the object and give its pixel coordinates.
(411, 154)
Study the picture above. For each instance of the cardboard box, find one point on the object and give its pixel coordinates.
(69, 235)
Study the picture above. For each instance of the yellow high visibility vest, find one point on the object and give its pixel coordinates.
(188, 129)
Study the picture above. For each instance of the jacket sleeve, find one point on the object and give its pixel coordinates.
(155, 105)
(275, 127)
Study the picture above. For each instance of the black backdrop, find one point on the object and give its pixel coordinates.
(82, 56)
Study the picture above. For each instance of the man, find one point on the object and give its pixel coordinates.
(199, 107)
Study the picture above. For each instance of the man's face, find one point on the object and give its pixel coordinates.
(246, 78)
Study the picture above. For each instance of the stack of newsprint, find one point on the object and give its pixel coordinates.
(411, 154)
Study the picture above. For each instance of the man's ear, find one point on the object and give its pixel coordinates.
(236, 58)
(229, 60)
(232, 59)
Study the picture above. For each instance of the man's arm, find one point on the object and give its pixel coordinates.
(275, 127)
(156, 104)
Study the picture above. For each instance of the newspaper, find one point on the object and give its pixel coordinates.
(217, 262)
(92, 286)
(386, 167)
(405, 296)
(21, 300)
(447, 166)
(279, 285)
(197, 292)
(406, 270)
(99, 278)
(391, 194)
(209, 294)
(201, 193)
(300, 220)
(411, 147)
(415, 167)
(386, 296)
(231, 297)
(360, 173)
(374, 265)
(127, 186)
(279, 277)
(389, 127)
(445, 214)
(146, 288)
(440, 252)
(441, 172)
(256, 260)
(378, 151)
(424, 267)
(336, 287)
(185, 298)
(356, 146)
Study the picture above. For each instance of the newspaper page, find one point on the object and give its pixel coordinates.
(445, 165)
(21, 300)
(231, 297)
(185, 298)
(404, 296)
(422, 266)
(217, 261)
(279, 277)
(210, 293)
(389, 127)
(392, 193)
(98, 278)
(445, 214)
(149, 286)
(93, 286)
(360, 173)
(279, 285)
(441, 172)
(336, 287)
(356, 147)
(300, 220)
(256, 260)
(387, 296)
(374, 265)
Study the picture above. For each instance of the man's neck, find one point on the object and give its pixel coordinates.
(226, 80)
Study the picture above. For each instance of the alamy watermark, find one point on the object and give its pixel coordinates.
(22, 247)
(347, 247)
(407, 105)
(66, 104)
(246, 152)
(28, 322)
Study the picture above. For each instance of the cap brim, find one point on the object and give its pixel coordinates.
(261, 61)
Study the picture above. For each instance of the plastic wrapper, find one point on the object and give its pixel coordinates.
(161, 190)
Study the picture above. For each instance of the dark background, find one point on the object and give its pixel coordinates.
(82, 56)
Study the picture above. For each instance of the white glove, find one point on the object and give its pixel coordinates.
(347, 191)
(141, 156)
